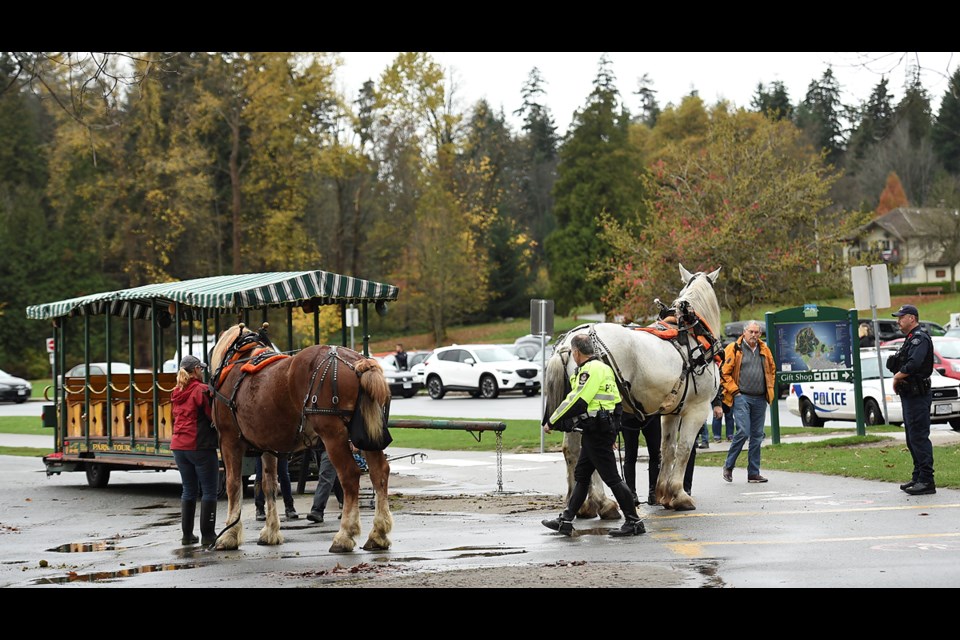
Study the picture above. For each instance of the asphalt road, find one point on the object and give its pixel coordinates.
(798, 530)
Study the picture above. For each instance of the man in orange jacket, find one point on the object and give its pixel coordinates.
(747, 377)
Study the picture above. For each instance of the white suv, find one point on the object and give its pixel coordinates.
(480, 369)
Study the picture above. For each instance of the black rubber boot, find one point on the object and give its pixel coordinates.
(208, 523)
(188, 510)
(652, 497)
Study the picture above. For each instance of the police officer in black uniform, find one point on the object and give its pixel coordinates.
(912, 366)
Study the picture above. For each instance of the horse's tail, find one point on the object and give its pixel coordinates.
(376, 396)
(554, 383)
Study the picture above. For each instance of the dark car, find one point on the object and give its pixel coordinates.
(14, 389)
(887, 329)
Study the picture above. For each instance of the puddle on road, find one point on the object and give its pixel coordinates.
(109, 576)
(488, 554)
(87, 547)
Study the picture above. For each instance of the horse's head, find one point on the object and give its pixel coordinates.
(698, 293)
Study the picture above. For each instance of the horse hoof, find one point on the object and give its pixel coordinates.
(338, 548)
(375, 546)
(610, 514)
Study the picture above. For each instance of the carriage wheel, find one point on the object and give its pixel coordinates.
(872, 413)
(98, 475)
(489, 388)
(808, 415)
(435, 388)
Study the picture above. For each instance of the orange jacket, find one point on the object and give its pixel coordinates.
(730, 371)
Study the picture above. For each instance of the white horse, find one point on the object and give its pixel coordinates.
(677, 378)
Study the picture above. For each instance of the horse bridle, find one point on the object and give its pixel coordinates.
(231, 358)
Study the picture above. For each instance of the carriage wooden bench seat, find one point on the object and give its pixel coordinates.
(929, 290)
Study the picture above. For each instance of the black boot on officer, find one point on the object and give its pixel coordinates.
(564, 522)
(633, 526)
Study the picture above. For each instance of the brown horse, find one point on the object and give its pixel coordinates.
(279, 404)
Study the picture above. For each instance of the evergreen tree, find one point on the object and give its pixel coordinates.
(539, 166)
(877, 119)
(819, 113)
(946, 130)
(773, 102)
(915, 112)
(649, 109)
(599, 172)
(490, 180)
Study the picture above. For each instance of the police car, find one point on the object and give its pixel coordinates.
(817, 402)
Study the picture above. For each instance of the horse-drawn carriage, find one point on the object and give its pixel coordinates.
(123, 421)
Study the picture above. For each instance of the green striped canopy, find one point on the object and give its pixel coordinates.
(225, 293)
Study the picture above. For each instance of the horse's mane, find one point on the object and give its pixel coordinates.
(699, 294)
(220, 349)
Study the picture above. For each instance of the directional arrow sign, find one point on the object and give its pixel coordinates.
(825, 375)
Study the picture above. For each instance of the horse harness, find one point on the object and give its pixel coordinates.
(675, 326)
(248, 342)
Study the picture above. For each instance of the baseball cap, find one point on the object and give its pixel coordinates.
(191, 362)
(905, 309)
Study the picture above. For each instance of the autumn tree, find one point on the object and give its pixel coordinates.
(892, 195)
(441, 265)
(748, 198)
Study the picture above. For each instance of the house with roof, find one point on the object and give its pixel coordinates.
(915, 243)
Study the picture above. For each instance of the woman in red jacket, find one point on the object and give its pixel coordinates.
(194, 445)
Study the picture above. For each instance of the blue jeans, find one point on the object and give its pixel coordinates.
(749, 413)
(704, 434)
(199, 471)
(718, 423)
(283, 475)
(916, 426)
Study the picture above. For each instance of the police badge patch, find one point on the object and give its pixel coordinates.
(915, 341)
(582, 380)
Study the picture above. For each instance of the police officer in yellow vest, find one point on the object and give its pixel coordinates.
(593, 407)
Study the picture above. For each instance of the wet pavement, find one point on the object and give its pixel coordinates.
(798, 530)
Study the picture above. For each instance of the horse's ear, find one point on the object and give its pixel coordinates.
(685, 275)
(714, 274)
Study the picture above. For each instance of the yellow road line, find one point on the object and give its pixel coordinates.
(697, 549)
(768, 512)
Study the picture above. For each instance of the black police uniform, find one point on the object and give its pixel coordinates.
(915, 358)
